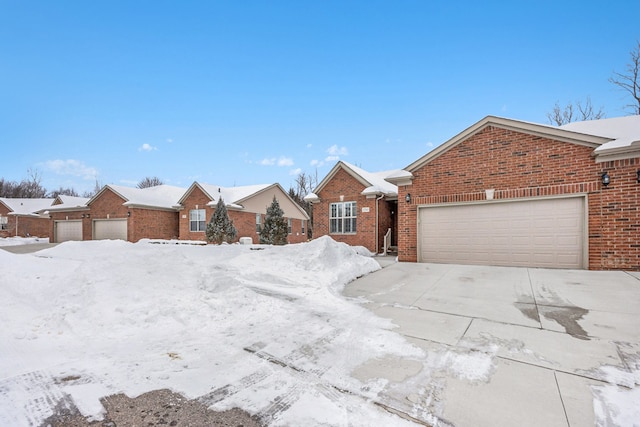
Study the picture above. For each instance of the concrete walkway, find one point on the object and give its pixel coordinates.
(553, 340)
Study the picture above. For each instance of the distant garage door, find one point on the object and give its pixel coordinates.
(532, 233)
(67, 230)
(110, 229)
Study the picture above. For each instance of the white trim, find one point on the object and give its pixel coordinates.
(585, 219)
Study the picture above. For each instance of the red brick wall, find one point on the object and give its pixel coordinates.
(344, 184)
(152, 224)
(107, 206)
(522, 165)
(245, 222)
(63, 216)
(27, 226)
(11, 222)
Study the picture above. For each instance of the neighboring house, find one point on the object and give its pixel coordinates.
(118, 212)
(19, 217)
(512, 193)
(246, 205)
(356, 207)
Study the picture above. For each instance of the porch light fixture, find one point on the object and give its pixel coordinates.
(407, 198)
(83, 215)
(128, 213)
(638, 177)
(605, 179)
(88, 215)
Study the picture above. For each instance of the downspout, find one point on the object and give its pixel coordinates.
(17, 225)
(377, 215)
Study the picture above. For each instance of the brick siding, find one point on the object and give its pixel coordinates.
(343, 184)
(520, 165)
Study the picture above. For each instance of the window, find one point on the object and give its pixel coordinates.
(4, 223)
(342, 218)
(289, 225)
(258, 223)
(303, 221)
(197, 220)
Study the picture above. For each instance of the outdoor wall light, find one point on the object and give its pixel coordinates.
(128, 213)
(83, 215)
(638, 177)
(88, 215)
(407, 198)
(605, 179)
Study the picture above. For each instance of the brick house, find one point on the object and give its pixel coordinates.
(509, 193)
(118, 212)
(20, 217)
(356, 207)
(246, 205)
(512, 193)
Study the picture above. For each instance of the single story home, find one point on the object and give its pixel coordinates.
(19, 217)
(247, 208)
(511, 193)
(168, 212)
(356, 207)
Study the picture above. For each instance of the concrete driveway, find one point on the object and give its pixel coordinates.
(562, 344)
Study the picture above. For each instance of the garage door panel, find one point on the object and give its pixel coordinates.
(113, 229)
(542, 233)
(68, 231)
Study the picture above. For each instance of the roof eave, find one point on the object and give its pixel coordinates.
(514, 125)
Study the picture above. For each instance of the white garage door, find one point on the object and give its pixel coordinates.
(67, 230)
(110, 229)
(532, 233)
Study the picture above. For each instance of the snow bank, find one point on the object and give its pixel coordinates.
(16, 241)
(112, 316)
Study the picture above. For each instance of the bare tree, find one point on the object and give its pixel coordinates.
(560, 116)
(96, 189)
(304, 184)
(629, 81)
(63, 192)
(152, 181)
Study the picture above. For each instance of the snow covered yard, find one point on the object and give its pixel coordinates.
(264, 330)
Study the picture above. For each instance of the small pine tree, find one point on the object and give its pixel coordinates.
(275, 230)
(220, 228)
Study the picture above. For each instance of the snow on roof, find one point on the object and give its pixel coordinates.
(160, 196)
(20, 206)
(232, 196)
(378, 184)
(72, 201)
(624, 132)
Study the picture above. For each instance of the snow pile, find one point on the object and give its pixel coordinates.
(17, 241)
(266, 330)
(618, 403)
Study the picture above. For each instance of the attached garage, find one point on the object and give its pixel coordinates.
(65, 231)
(546, 233)
(113, 229)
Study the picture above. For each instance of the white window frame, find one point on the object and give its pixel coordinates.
(258, 223)
(289, 223)
(343, 218)
(4, 223)
(197, 217)
(303, 221)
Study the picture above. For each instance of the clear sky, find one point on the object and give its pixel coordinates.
(253, 92)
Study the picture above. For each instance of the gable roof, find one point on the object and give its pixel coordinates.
(63, 199)
(623, 134)
(375, 183)
(158, 197)
(24, 206)
(552, 132)
(234, 197)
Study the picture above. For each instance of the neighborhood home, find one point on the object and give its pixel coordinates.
(511, 193)
(247, 207)
(19, 217)
(167, 212)
(118, 212)
(357, 207)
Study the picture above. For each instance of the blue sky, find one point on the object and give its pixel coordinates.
(251, 92)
